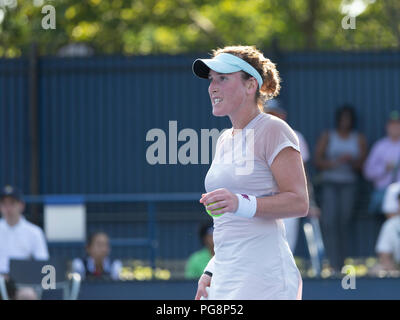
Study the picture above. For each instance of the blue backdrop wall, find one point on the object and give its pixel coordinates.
(94, 114)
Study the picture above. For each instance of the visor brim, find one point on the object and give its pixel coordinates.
(201, 67)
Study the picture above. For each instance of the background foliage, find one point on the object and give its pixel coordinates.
(179, 26)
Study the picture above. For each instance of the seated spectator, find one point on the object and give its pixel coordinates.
(97, 264)
(390, 205)
(383, 162)
(26, 293)
(388, 244)
(19, 239)
(199, 259)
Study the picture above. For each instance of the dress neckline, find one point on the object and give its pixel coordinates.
(248, 126)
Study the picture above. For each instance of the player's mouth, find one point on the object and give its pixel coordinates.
(216, 101)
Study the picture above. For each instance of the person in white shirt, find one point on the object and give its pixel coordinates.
(256, 179)
(390, 204)
(388, 244)
(19, 239)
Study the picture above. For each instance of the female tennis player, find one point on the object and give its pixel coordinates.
(252, 258)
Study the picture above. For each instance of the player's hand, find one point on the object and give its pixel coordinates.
(226, 201)
(204, 281)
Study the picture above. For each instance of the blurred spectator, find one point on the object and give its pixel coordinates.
(199, 259)
(292, 224)
(274, 107)
(388, 244)
(10, 288)
(97, 264)
(19, 239)
(390, 205)
(339, 156)
(383, 162)
(26, 293)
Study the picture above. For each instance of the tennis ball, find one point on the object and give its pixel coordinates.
(214, 215)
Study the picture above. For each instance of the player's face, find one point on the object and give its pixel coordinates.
(11, 209)
(227, 92)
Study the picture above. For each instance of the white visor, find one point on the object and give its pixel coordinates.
(224, 63)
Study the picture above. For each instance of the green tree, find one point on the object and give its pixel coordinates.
(180, 26)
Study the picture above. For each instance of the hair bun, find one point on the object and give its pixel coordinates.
(271, 85)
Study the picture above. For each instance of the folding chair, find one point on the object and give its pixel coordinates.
(34, 274)
(3, 288)
(315, 243)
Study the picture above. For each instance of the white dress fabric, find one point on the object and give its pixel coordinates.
(252, 258)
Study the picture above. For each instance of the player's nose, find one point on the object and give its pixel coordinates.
(213, 88)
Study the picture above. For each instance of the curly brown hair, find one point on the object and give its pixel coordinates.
(265, 67)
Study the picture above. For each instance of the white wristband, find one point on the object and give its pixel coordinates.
(247, 205)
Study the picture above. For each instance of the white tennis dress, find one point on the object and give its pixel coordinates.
(252, 257)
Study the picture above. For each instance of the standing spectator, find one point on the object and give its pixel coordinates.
(388, 244)
(340, 154)
(199, 259)
(19, 239)
(383, 162)
(97, 264)
(274, 108)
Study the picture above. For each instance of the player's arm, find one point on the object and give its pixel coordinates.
(205, 280)
(292, 199)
